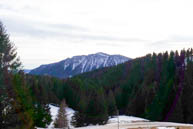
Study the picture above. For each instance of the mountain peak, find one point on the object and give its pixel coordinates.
(79, 64)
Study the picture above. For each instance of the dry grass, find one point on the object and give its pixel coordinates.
(184, 127)
(142, 125)
(177, 127)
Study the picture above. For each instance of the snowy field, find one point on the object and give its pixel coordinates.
(125, 119)
(125, 122)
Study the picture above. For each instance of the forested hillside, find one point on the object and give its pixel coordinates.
(157, 87)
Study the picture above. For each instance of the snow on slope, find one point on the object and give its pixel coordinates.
(166, 128)
(53, 112)
(79, 64)
(125, 122)
(126, 119)
(70, 112)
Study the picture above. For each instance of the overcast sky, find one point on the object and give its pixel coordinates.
(46, 31)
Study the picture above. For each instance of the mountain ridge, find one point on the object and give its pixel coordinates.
(79, 64)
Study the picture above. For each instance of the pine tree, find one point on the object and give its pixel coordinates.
(15, 95)
(8, 54)
(97, 112)
(42, 116)
(177, 113)
(1, 116)
(112, 109)
(187, 95)
(61, 120)
(78, 120)
(8, 63)
(16, 116)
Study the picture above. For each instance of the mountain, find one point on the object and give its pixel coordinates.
(79, 64)
(26, 70)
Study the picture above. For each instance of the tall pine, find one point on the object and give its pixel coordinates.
(61, 120)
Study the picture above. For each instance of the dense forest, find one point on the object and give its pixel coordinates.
(157, 87)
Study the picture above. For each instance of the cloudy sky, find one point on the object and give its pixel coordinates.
(46, 31)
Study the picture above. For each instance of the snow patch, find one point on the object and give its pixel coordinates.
(166, 128)
(70, 112)
(77, 61)
(126, 119)
(83, 66)
(53, 112)
(105, 62)
(66, 65)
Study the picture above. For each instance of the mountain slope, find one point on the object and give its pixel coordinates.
(26, 70)
(79, 64)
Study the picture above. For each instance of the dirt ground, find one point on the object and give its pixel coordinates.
(141, 125)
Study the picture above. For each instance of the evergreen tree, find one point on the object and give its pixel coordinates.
(112, 109)
(187, 95)
(61, 120)
(177, 113)
(17, 106)
(78, 120)
(8, 54)
(97, 112)
(41, 115)
(16, 115)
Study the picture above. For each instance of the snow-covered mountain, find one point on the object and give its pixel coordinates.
(26, 70)
(79, 64)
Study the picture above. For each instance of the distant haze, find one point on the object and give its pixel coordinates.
(47, 31)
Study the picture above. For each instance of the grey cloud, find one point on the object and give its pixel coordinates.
(110, 38)
(67, 26)
(4, 7)
(178, 38)
(110, 44)
(38, 29)
(173, 40)
(26, 8)
(22, 27)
